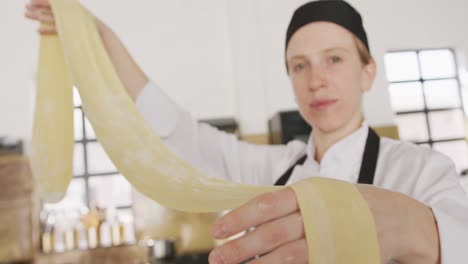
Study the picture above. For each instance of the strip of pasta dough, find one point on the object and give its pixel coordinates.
(53, 140)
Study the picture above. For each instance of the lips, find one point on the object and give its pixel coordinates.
(322, 104)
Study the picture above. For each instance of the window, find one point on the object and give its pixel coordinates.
(426, 98)
(96, 181)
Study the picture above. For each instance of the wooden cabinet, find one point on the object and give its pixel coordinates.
(18, 210)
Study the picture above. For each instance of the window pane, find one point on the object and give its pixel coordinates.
(406, 96)
(78, 124)
(442, 94)
(77, 191)
(89, 130)
(74, 199)
(76, 97)
(110, 191)
(437, 64)
(447, 124)
(457, 151)
(78, 160)
(412, 127)
(402, 66)
(98, 161)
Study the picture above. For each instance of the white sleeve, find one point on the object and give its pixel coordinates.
(440, 187)
(159, 111)
(215, 153)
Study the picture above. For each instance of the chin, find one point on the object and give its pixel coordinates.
(326, 125)
(325, 121)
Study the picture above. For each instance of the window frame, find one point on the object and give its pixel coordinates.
(87, 176)
(426, 110)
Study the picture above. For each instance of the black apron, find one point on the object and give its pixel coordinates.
(368, 165)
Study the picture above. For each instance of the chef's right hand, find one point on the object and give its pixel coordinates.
(41, 11)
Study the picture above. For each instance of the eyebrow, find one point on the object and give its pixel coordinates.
(336, 48)
(322, 51)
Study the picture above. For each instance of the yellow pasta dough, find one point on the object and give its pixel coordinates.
(52, 144)
(339, 226)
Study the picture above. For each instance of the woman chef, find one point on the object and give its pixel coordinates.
(418, 205)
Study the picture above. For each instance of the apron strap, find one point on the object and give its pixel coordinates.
(285, 177)
(368, 165)
(369, 158)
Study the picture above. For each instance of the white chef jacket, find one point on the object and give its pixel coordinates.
(418, 172)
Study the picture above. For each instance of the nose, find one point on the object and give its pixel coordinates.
(316, 78)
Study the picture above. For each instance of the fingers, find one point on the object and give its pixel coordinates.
(42, 13)
(262, 209)
(263, 239)
(293, 253)
(39, 3)
(47, 29)
(40, 18)
(44, 8)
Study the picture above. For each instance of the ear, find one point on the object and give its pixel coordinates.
(368, 75)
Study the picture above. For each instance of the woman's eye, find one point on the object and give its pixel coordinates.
(299, 67)
(335, 59)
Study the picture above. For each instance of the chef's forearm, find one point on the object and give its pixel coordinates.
(419, 233)
(130, 74)
(406, 229)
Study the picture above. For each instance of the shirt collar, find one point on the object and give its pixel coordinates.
(348, 150)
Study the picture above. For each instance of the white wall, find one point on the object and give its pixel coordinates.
(182, 45)
(18, 57)
(223, 57)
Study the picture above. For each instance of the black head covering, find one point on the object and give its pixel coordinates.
(335, 11)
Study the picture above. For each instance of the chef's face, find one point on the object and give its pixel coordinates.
(328, 76)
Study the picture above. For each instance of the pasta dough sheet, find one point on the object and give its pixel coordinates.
(53, 140)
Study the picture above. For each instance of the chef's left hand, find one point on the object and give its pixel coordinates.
(278, 236)
(406, 229)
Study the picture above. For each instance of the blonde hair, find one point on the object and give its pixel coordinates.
(364, 54)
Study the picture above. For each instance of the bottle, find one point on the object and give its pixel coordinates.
(58, 239)
(105, 235)
(116, 235)
(81, 236)
(92, 237)
(90, 221)
(47, 232)
(128, 233)
(46, 242)
(69, 238)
